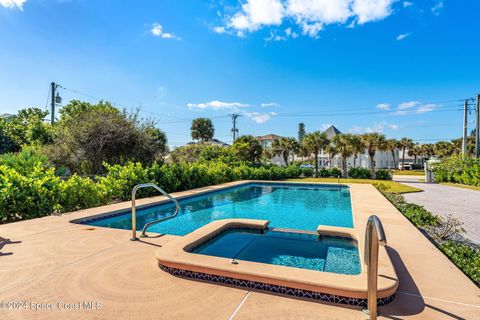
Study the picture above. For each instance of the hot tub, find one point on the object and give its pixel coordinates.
(298, 250)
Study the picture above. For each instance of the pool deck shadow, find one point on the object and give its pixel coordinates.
(54, 260)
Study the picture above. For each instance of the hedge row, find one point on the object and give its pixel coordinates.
(458, 169)
(39, 192)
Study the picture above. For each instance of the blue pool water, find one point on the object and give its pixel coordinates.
(301, 207)
(297, 250)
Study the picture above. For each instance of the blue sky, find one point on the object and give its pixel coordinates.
(398, 67)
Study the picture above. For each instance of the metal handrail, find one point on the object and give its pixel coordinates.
(374, 237)
(134, 209)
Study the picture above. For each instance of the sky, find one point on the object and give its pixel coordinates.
(397, 67)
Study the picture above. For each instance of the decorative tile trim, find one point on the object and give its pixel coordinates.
(261, 286)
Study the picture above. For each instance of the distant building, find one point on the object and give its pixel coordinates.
(213, 142)
(266, 142)
(382, 159)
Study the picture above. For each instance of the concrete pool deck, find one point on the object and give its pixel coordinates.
(50, 260)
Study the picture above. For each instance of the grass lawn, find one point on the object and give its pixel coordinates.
(408, 172)
(464, 186)
(391, 186)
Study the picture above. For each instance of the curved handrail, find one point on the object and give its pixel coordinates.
(374, 237)
(134, 208)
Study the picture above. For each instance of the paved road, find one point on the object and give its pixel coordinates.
(443, 200)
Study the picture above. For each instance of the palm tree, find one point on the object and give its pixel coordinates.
(202, 129)
(392, 146)
(358, 148)
(330, 149)
(285, 147)
(414, 152)
(343, 144)
(405, 143)
(427, 150)
(373, 142)
(313, 143)
(444, 149)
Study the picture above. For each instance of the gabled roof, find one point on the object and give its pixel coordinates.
(270, 136)
(332, 132)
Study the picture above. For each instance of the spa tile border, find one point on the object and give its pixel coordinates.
(283, 290)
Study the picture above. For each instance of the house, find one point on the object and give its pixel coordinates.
(266, 142)
(382, 159)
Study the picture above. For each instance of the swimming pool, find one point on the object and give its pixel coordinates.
(290, 206)
(298, 250)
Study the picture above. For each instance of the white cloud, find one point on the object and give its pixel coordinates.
(269, 104)
(256, 13)
(376, 127)
(310, 16)
(426, 108)
(407, 4)
(217, 105)
(157, 31)
(260, 117)
(372, 10)
(414, 107)
(402, 36)
(437, 8)
(13, 4)
(219, 30)
(383, 106)
(408, 105)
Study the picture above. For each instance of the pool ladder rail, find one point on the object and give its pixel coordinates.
(374, 237)
(134, 209)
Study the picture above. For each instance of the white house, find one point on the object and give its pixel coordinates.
(382, 159)
(266, 142)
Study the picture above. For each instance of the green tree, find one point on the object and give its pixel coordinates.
(202, 129)
(87, 135)
(313, 143)
(248, 148)
(285, 147)
(405, 143)
(415, 151)
(392, 145)
(343, 144)
(301, 131)
(373, 142)
(358, 148)
(26, 128)
(444, 149)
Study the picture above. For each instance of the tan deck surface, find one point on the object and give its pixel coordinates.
(49, 260)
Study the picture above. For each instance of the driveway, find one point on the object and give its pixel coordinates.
(443, 200)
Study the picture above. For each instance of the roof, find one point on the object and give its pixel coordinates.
(331, 132)
(270, 136)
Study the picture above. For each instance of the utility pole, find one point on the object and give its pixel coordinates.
(465, 127)
(234, 129)
(52, 111)
(477, 127)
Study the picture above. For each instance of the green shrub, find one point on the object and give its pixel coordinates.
(465, 258)
(80, 193)
(359, 173)
(307, 172)
(335, 172)
(382, 174)
(26, 196)
(419, 216)
(458, 169)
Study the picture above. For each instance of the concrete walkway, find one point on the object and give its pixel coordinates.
(443, 200)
